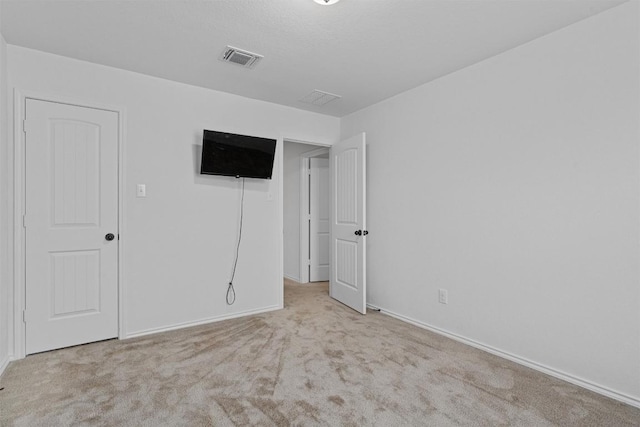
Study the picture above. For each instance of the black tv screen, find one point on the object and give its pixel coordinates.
(241, 156)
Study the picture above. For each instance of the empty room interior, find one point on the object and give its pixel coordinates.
(320, 212)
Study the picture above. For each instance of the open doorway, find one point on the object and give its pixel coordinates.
(347, 229)
(306, 200)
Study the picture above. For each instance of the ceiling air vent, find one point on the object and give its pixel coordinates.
(240, 57)
(318, 97)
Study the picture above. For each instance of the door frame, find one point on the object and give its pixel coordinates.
(20, 98)
(304, 203)
(280, 158)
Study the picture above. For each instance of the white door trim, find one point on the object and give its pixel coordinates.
(19, 107)
(304, 203)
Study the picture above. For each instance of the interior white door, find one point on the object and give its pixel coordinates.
(348, 223)
(71, 208)
(319, 208)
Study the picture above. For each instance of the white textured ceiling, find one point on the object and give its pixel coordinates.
(363, 50)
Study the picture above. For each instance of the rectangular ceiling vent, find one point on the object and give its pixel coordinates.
(318, 97)
(240, 57)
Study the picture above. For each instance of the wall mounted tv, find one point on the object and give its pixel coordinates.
(241, 156)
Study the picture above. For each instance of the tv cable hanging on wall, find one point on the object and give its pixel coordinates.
(231, 293)
(239, 156)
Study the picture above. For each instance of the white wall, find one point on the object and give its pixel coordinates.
(5, 278)
(514, 184)
(291, 191)
(179, 241)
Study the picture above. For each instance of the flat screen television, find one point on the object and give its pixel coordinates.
(242, 156)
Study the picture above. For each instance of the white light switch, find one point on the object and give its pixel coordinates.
(142, 190)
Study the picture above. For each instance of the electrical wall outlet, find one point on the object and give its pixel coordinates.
(443, 296)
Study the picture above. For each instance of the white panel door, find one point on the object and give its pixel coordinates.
(319, 208)
(348, 221)
(71, 207)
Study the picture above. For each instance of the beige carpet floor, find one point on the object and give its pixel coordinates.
(314, 363)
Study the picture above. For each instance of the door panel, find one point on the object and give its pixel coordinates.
(319, 201)
(346, 179)
(347, 272)
(75, 282)
(76, 173)
(71, 204)
(348, 262)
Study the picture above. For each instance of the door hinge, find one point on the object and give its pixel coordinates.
(24, 221)
(24, 316)
(24, 126)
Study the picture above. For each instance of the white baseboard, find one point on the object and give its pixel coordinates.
(4, 364)
(605, 391)
(295, 279)
(202, 321)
